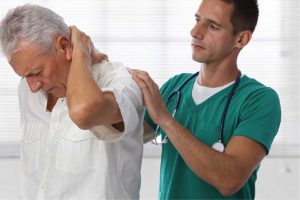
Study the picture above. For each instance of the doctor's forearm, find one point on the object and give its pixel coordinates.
(218, 169)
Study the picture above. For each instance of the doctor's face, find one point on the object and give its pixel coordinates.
(212, 34)
(42, 71)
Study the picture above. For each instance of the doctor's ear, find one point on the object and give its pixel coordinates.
(64, 46)
(243, 38)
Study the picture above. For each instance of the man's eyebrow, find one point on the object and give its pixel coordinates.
(209, 20)
(214, 22)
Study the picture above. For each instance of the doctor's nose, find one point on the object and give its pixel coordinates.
(198, 31)
(34, 84)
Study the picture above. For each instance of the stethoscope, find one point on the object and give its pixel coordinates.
(219, 145)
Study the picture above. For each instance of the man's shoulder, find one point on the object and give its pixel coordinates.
(173, 83)
(251, 85)
(180, 77)
(258, 92)
(109, 69)
(177, 79)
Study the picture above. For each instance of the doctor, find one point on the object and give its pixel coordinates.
(225, 122)
(81, 119)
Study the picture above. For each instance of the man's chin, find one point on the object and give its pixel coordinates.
(198, 59)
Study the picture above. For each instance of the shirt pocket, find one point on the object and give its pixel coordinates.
(77, 152)
(31, 147)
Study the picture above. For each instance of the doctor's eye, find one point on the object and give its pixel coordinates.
(213, 27)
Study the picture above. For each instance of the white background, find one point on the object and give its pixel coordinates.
(153, 35)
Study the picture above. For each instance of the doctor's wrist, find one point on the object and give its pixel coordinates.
(166, 122)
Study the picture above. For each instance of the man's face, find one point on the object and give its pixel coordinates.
(46, 72)
(212, 34)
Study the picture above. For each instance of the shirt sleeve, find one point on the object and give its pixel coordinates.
(260, 117)
(115, 78)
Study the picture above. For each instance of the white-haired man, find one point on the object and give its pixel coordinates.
(81, 117)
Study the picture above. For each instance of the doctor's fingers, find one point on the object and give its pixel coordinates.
(144, 86)
(153, 87)
(147, 95)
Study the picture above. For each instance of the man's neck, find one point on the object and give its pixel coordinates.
(217, 76)
(51, 101)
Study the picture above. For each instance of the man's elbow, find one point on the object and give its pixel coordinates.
(228, 191)
(230, 187)
(80, 115)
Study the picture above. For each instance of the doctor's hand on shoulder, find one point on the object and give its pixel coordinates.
(152, 98)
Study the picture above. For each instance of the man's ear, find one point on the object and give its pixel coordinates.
(243, 38)
(64, 46)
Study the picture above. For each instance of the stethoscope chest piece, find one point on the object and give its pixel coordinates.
(219, 146)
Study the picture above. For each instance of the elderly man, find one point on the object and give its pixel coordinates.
(81, 116)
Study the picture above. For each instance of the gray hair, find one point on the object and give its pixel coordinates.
(31, 24)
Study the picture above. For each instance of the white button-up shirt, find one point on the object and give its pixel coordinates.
(59, 161)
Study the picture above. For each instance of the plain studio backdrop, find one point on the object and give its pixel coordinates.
(154, 35)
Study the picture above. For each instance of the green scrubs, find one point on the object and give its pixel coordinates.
(254, 112)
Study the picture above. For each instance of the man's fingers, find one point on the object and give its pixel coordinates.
(73, 27)
(146, 79)
(144, 88)
(99, 57)
(142, 84)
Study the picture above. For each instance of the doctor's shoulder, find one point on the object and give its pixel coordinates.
(255, 97)
(173, 83)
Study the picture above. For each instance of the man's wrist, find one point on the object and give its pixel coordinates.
(81, 56)
(166, 122)
(80, 52)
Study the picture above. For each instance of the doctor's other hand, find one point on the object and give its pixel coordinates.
(83, 45)
(152, 98)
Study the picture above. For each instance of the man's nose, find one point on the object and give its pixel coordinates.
(34, 84)
(198, 31)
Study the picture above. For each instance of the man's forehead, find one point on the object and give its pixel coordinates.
(24, 58)
(215, 10)
(24, 53)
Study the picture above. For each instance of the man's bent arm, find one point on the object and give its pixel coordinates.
(88, 105)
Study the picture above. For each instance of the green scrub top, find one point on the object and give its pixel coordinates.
(254, 112)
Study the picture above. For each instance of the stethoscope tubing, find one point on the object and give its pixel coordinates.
(177, 103)
(232, 91)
